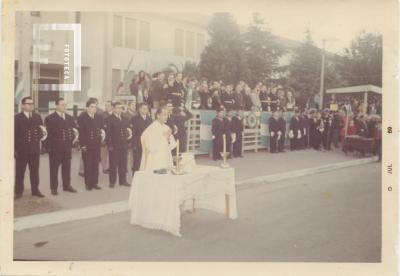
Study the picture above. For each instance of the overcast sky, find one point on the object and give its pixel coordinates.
(340, 21)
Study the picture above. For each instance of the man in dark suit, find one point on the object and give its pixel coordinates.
(59, 144)
(27, 136)
(90, 127)
(227, 98)
(217, 130)
(238, 131)
(139, 123)
(117, 143)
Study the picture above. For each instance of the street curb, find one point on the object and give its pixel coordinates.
(298, 173)
(46, 219)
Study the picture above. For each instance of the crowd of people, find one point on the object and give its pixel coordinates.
(112, 137)
(202, 94)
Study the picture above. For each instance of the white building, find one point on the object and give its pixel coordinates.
(109, 41)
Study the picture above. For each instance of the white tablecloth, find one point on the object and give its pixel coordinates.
(155, 199)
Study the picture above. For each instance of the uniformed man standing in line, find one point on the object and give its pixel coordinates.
(305, 129)
(273, 126)
(217, 130)
(90, 126)
(117, 144)
(281, 132)
(27, 135)
(179, 117)
(295, 131)
(129, 114)
(60, 139)
(104, 158)
(238, 132)
(228, 130)
(139, 123)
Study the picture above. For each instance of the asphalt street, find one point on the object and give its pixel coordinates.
(328, 217)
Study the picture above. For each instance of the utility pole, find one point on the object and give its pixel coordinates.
(321, 87)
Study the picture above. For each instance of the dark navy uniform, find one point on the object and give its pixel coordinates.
(90, 138)
(281, 134)
(228, 130)
(295, 131)
(178, 120)
(138, 126)
(27, 135)
(273, 127)
(217, 130)
(305, 129)
(59, 144)
(238, 130)
(117, 143)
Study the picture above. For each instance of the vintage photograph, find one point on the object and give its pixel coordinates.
(235, 135)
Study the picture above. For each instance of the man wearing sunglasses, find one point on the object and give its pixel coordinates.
(27, 135)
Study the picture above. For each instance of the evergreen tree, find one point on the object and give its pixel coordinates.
(261, 51)
(223, 57)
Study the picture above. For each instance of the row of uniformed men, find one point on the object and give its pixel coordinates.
(306, 129)
(96, 132)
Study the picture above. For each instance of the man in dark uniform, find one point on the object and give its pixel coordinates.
(228, 130)
(217, 130)
(274, 99)
(281, 132)
(178, 119)
(27, 135)
(139, 123)
(305, 128)
(173, 92)
(103, 150)
(327, 134)
(273, 126)
(60, 128)
(117, 143)
(90, 126)
(295, 131)
(227, 99)
(238, 132)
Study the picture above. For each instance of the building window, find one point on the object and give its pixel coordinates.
(200, 44)
(130, 33)
(179, 42)
(117, 31)
(144, 41)
(189, 44)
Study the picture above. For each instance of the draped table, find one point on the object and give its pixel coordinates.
(156, 200)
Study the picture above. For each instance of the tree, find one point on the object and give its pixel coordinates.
(362, 61)
(190, 69)
(261, 51)
(223, 57)
(304, 70)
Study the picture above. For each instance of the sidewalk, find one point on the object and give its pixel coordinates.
(252, 166)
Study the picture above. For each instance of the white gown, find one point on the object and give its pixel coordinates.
(157, 151)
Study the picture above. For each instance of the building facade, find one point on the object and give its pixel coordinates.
(114, 46)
